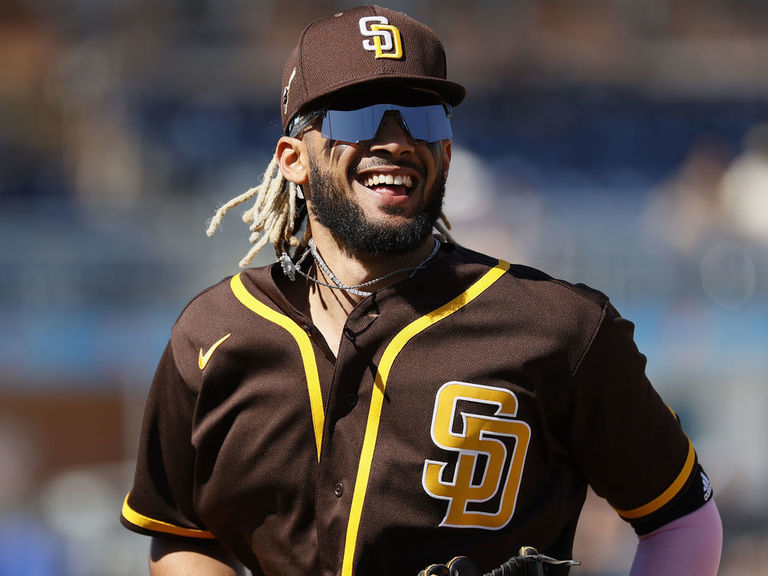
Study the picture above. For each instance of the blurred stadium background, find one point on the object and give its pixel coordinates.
(617, 143)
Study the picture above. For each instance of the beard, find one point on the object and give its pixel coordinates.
(337, 211)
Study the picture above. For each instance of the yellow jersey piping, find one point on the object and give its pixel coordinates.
(668, 494)
(148, 523)
(305, 348)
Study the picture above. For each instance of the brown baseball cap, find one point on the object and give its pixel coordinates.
(363, 46)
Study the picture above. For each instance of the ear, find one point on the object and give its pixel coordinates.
(445, 148)
(291, 157)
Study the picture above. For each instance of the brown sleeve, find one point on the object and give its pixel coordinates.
(160, 501)
(626, 441)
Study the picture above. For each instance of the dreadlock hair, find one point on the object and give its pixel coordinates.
(279, 211)
(274, 216)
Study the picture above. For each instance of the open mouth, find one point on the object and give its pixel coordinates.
(396, 184)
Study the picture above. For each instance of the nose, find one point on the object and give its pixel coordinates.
(393, 138)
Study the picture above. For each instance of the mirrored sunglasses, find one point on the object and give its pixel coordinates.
(424, 123)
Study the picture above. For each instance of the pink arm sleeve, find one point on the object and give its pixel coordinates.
(690, 545)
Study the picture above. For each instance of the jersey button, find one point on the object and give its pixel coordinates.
(350, 399)
(338, 489)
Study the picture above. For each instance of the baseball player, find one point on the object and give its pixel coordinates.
(382, 399)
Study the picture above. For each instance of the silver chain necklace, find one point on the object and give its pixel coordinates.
(290, 269)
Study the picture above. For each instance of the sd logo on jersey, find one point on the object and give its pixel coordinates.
(485, 469)
(387, 42)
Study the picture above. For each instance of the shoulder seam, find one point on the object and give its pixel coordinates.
(201, 293)
(588, 347)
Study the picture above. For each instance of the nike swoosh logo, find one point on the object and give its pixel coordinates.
(202, 359)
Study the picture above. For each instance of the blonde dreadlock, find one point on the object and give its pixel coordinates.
(273, 216)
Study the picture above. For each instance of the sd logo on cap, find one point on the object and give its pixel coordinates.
(386, 38)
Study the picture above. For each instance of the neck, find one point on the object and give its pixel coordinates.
(328, 304)
(374, 272)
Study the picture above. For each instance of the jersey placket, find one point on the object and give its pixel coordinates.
(364, 334)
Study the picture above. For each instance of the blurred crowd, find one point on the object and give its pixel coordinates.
(620, 144)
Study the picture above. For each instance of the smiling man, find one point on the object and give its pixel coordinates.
(381, 192)
(382, 399)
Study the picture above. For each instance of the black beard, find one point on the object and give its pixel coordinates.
(335, 210)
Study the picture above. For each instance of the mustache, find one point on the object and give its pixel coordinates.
(371, 163)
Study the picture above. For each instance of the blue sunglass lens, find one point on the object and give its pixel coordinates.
(427, 123)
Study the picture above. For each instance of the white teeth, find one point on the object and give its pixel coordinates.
(398, 180)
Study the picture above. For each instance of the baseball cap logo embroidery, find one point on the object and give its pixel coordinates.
(386, 41)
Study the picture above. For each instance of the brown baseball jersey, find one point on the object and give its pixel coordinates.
(466, 412)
